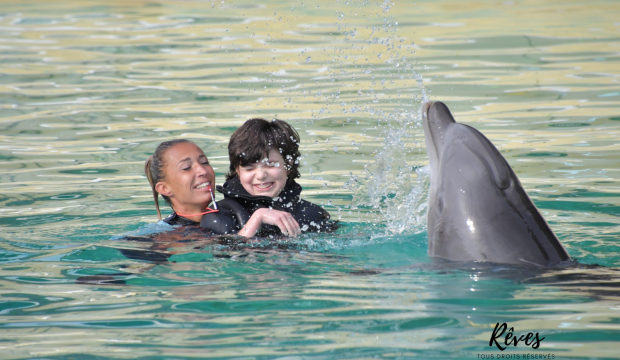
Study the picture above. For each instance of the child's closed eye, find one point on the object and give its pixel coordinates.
(275, 163)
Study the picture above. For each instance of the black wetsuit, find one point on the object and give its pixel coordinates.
(175, 219)
(230, 218)
(311, 217)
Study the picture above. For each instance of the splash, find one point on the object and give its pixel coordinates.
(396, 184)
(393, 187)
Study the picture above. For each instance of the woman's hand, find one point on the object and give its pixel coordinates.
(285, 221)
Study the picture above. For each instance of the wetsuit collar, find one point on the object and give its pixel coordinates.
(176, 219)
(233, 188)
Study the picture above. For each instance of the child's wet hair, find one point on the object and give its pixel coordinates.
(252, 141)
(154, 169)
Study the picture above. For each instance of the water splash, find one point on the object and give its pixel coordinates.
(384, 93)
(396, 184)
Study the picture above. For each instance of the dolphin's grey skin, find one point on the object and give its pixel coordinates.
(478, 210)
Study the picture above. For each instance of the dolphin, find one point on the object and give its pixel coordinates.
(477, 208)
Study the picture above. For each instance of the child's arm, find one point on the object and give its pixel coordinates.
(284, 220)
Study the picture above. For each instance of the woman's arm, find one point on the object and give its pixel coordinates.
(285, 221)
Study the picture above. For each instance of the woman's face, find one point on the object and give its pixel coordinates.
(265, 178)
(188, 178)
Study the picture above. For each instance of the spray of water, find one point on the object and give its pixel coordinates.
(345, 75)
(395, 185)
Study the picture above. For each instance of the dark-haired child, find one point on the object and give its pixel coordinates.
(264, 163)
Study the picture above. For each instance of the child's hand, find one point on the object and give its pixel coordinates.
(285, 221)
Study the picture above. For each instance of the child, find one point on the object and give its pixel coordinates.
(264, 161)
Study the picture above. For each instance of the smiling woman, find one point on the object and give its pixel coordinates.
(180, 172)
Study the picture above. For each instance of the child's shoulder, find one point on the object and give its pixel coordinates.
(312, 217)
(309, 208)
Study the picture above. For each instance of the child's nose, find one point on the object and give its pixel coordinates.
(261, 172)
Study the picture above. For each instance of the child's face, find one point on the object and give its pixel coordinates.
(265, 178)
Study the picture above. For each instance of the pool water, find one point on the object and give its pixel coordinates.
(89, 88)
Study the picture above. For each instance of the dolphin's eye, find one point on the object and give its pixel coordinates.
(504, 183)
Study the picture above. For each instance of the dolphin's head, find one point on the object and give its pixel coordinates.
(460, 157)
(452, 145)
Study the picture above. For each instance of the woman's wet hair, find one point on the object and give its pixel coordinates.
(154, 169)
(251, 143)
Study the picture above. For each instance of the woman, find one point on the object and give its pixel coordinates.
(180, 172)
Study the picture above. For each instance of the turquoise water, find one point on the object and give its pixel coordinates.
(89, 88)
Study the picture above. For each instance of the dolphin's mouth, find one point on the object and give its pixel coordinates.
(426, 107)
(428, 125)
(437, 121)
(431, 146)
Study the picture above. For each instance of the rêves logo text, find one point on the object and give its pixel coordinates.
(511, 339)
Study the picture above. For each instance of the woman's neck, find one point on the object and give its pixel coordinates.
(191, 212)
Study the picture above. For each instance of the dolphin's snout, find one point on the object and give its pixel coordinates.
(439, 114)
(436, 120)
(427, 105)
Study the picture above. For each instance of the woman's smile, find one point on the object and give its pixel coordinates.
(203, 185)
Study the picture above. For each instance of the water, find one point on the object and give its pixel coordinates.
(89, 88)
